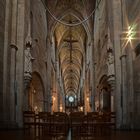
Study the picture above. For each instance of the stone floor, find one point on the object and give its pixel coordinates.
(19, 135)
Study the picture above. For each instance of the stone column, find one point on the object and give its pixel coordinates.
(131, 100)
(57, 77)
(26, 106)
(116, 14)
(128, 62)
(93, 90)
(85, 97)
(58, 99)
(124, 71)
(13, 95)
(111, 82)
(20, 59)
(13, 92)
(45, 95)
(55, 92)
(124, 91)
(48, 74)
(5, 99)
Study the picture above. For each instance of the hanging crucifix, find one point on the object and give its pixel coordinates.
(70, 41)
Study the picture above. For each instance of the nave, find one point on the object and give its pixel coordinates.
(69, 69)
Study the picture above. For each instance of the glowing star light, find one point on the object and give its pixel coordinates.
(131, 32)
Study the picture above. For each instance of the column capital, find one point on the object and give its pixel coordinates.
(14, 46)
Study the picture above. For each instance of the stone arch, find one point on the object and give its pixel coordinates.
(77, 15)
(36, 93)
(104, 94)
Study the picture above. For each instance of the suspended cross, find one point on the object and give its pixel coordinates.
(70, 41)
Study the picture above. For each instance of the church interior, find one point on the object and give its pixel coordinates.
(70, 69)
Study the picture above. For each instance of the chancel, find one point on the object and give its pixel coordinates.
(70, 69)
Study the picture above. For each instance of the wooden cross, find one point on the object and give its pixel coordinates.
(70, 41)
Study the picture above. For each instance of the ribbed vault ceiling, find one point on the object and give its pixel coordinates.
(70, 45)
(71, 41)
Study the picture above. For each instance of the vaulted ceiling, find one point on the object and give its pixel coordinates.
(71, 40)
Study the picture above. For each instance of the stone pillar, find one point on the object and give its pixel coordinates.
(57, 77)
(48, 95)
(4, 97)
(55, 90)
(85, 97)
(45, 95)
(58, 99)
(116, 14)
(26, 94)
(131, 100)
(128, 62)
(93, 89)
(20, 59)
(13, 92)
(124, 91)
(111, 82)
(124, 72)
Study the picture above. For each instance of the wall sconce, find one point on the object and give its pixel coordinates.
(36, 109)
(81, 108)
(61, 108)
(54, 98)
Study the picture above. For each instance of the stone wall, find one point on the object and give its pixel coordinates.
(39, 36)
(133, 14)
(137, 92)
(100, 40)
(100, 45)
(2, 27)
